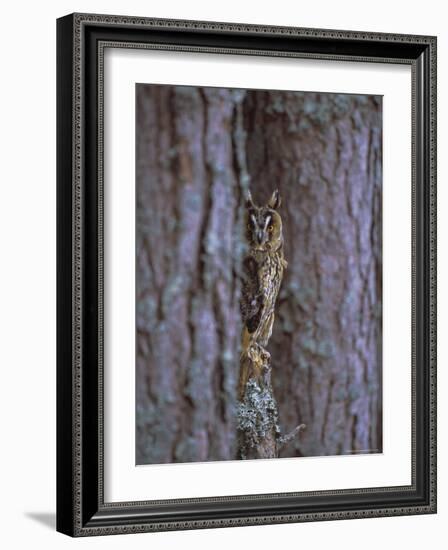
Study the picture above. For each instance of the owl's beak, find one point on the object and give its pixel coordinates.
(260, 237)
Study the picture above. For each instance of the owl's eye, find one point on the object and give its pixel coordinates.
(271, 228)
(249, 226)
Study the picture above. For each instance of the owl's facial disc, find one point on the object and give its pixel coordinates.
(262, 234)
(260, 225)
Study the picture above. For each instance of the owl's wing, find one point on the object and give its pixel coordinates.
(251, 298)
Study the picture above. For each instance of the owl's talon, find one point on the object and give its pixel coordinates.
(265, 355)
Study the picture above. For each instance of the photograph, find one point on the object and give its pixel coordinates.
(258, 283)
(246, 223)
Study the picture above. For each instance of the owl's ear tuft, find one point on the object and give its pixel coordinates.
(275, 200)
(249, 201)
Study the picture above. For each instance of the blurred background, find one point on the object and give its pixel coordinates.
(198, 151)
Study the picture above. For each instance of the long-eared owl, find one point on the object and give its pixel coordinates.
(263, 269)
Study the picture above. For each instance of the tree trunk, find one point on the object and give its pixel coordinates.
(189, 202)
(259, 431)
(323, 152)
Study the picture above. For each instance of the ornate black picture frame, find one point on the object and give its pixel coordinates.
(81, 508)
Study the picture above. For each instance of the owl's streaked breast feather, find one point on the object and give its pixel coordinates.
(251, 299)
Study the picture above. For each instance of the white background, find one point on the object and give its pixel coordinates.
(125, 482)
(27, 299)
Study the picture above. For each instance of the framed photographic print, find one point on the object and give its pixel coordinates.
(246, 274)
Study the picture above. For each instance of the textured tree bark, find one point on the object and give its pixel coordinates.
(257, 414)
(190, 186)
(323, 152)
(259, 431)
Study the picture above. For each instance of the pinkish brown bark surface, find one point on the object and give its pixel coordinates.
(197, 152)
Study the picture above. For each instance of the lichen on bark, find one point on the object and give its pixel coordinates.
(259, 433)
